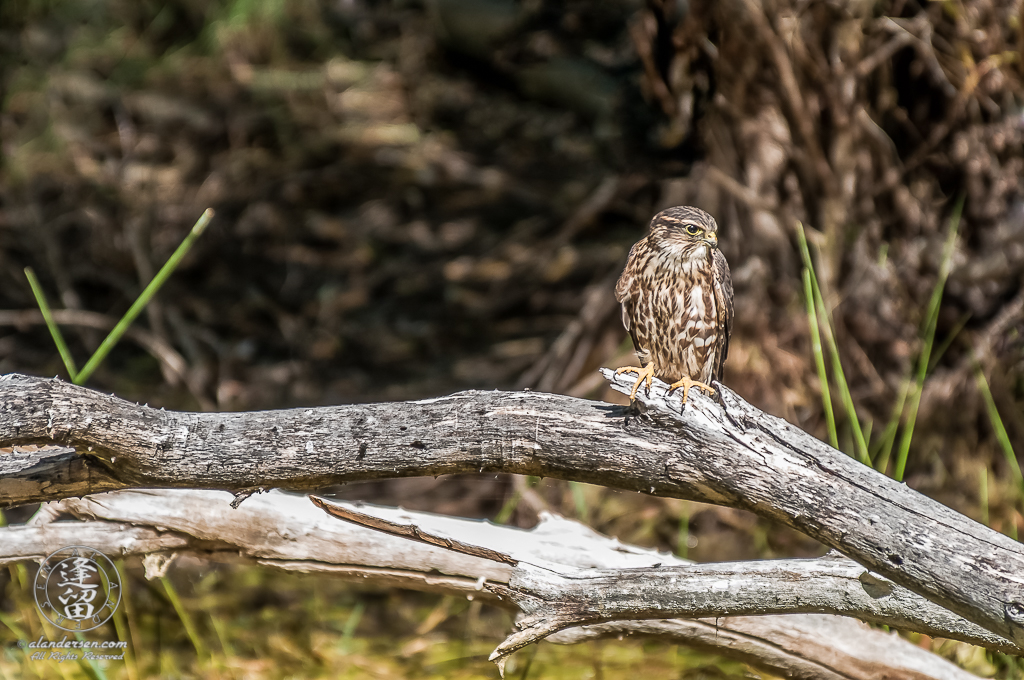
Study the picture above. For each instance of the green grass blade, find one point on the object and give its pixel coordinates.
(58, 339)
(122, 624)
(1000, 430)
(11, 623)
(221, 629)
(884, 449)
(953, 335)
(505, 513)
(186, 620)
(819, 361)
(931, 322)
(94, 667)
(348, 631)
(683, 546)
(580, 501)
(529, 662)
(983, 494)
(860, 443)
(140, 303)
(903, 452)
(881, 451)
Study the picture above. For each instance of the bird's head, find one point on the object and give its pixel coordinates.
(685, 232)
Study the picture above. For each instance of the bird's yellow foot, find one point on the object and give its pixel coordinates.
(686, 384)
(642, 374)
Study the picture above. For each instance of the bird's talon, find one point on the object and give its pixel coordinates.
(643, 375)
(686, 384)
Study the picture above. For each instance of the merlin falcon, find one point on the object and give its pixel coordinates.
(676, 296)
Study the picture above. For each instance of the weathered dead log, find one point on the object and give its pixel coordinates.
(287, 532)
(555, 597)
(737, 456)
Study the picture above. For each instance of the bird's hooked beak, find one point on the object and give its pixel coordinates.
(712, 239)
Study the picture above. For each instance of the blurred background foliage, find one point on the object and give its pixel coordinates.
(420, 196)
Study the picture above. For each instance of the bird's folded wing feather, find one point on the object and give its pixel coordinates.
(724, 304)
(624, 294)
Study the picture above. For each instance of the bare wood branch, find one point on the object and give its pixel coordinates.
(555, 598)
(287, 532)
(835, 586)
(739, 457)
(410, 531)
(276, 529)
(844, 656)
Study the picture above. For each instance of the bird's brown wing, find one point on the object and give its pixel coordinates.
(721, 282)
(624, 294)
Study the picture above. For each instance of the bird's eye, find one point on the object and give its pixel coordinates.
(692, 229)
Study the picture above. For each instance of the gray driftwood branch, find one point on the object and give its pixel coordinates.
(554, 597)
(736, 456)
(287, 532)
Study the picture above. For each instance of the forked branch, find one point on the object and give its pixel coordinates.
(287, 532)
(554, 596)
